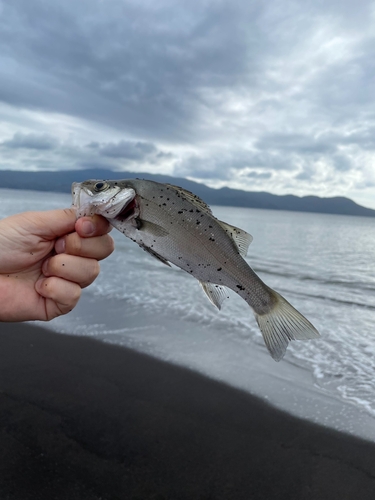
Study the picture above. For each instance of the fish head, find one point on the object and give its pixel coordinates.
(106, 198)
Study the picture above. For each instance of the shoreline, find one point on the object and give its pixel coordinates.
(288, 385)
(87, 419)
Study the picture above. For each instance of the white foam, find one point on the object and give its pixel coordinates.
(305, 257)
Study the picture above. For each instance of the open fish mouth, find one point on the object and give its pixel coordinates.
(110, 202)
(129, 211)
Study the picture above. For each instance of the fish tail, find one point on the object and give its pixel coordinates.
(281, 324)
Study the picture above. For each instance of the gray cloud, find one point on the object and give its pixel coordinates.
(46, 152)
(279, 96)
(295, 142)
(132, 66)
(128, 149)
(30, 141)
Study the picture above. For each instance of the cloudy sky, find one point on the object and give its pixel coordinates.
(275, 95)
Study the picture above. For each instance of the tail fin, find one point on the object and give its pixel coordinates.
(282, 324)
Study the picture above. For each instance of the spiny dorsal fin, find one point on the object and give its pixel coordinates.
(216, 293)
(241, 238)
(193, 198)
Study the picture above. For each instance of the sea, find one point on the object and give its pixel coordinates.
(323, 264)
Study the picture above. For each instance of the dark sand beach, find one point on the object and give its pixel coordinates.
(82, 419)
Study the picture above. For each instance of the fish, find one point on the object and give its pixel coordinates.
(176, 227)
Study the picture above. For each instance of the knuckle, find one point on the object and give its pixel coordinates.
(95, 269)
(92, 272)
(111, 244)
(49, 266)
(73, 244)
(55, 265)
(75, 294)
(67, 211)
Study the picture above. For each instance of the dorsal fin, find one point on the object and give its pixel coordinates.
(193, 198)
(241, 238)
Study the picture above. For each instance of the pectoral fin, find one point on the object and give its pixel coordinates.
(216, 293)
(156, 255)
(152, 228)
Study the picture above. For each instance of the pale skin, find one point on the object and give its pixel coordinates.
(46, 259)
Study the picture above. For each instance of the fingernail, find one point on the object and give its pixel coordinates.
(60, 245)
(45, 267)
(39, 284)
(88, 227)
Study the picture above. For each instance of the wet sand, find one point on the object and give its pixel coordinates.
(81, 419)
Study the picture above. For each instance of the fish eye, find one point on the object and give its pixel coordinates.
(101, 186)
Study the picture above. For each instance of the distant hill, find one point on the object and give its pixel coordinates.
(61, 182)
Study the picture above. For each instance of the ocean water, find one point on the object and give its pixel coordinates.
(323, 264)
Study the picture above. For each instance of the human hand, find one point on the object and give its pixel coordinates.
(46, 258)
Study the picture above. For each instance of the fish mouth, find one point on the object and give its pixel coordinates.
(109, 203)
(76, 192)
(129, 211)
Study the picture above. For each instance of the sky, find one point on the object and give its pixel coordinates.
(274, 96)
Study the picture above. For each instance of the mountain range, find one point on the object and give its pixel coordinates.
(62, 180)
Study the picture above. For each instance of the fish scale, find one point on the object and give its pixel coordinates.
(176, 226)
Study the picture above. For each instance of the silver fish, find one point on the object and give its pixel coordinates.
(175, 226)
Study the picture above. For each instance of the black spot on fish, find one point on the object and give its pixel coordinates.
(191, 210)
(240, 287)
(220, 268)
(180, 212)
(198, 222)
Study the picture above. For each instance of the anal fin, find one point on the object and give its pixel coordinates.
(216, 293)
